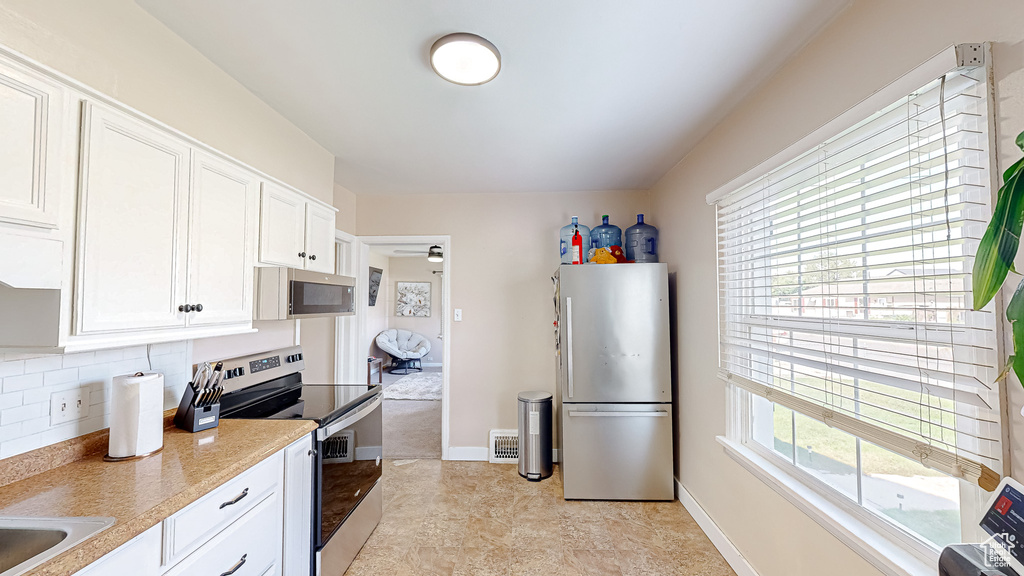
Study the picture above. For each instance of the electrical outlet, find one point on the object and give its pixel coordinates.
(970, 55)
(68, 405)
(458, 314)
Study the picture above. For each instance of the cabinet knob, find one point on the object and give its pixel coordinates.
(302, 254)
(198, 307)
(312, 256)
(312, 453)
(186, 308)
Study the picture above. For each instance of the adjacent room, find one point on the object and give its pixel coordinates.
(407, 337)
(475, 288)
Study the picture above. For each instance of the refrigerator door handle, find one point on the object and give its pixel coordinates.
(568, 342)
(624, 414)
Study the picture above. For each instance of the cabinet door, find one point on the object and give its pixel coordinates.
(222, 247)
(30, 114)
(140, 556)
(319, 239)
(298, 508)
(282, 227)
(132, 225)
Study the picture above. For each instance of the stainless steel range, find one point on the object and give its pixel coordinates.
(347, 495)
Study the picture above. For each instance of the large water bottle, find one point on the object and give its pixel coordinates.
(606, 235)
(566, 240)
(641, 242)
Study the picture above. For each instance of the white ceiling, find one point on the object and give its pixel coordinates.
(592, 94)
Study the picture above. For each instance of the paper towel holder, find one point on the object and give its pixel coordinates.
(108, 458)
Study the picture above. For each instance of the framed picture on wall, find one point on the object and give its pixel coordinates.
(375, 275)
(412, 299)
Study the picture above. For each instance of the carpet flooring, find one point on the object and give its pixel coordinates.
(412, 428)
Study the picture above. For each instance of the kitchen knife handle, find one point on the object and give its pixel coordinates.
(568, 342)
(236, 500)
(237, 565)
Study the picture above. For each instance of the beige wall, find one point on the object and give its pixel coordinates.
(842, 66)
(377, 319)
(117, 48)
(345, 202)
(504, 250)
(418, 269)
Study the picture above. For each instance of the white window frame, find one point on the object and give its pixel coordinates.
(891, 549)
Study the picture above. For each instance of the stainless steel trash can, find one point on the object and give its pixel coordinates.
(535, 435)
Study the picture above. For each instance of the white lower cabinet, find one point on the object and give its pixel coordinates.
(298, 508)
(248, 547)
(256, 524)
(139, 556)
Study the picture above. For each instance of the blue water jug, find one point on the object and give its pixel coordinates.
(566, 240)
(606, 235)
(641, 242)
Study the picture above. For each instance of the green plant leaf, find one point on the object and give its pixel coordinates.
(1018, 350)
(1006, 369)
(998, 246)
(1020, 141)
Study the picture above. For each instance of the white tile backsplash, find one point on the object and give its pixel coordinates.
(29, 381)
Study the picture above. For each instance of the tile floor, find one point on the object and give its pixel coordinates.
(480, 519)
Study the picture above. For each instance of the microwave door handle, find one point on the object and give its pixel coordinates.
(568, 343)
(324, 433)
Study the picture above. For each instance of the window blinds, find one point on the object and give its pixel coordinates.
(844, 281)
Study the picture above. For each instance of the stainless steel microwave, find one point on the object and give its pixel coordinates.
(289, 293)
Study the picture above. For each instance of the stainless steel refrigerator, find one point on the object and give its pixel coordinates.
(612, 344)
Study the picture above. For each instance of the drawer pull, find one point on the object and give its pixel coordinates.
(236, 566)
(236, 500)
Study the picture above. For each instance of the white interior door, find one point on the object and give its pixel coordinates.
(319, 239)
(282, 227)
(350, 365)
(132, 225)
(222, 245)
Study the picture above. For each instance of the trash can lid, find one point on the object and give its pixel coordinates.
(535, 396)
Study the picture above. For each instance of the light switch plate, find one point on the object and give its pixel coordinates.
(68, 405)
(458, 314)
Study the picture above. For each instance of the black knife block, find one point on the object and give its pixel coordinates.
(193, 419)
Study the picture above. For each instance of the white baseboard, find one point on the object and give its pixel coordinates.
(468, 453)
(431, 364)
(725, 546)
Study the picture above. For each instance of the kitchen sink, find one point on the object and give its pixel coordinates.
(27, 542)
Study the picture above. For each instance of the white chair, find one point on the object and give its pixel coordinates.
(405, 348)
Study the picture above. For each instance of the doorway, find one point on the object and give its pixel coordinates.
(412, 300)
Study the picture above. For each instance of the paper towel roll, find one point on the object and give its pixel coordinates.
(136, 414)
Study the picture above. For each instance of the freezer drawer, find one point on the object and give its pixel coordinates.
(617, 451)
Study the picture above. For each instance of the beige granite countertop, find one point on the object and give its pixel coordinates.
(71, 479)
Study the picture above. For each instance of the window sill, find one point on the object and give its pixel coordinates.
(877, 548)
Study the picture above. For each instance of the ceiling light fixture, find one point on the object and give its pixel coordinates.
(465, 59)
(435, 254)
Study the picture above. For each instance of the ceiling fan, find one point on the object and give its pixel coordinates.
(434, 254)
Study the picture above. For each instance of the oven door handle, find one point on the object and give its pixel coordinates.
(328, 431)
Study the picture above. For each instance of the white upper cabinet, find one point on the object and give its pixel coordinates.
(295, 232)
(132, 240)
(319, 239)
(30, 125)
(157, 248)
(222, 241)
(282, 227)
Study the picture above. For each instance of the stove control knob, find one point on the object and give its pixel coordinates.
(293, 358)
(240, 371)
